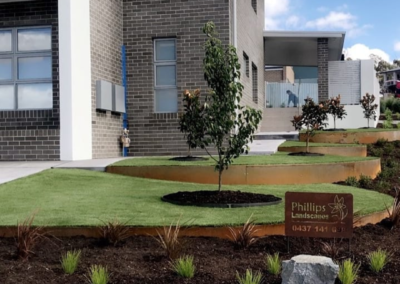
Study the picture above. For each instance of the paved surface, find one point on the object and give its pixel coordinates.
(14, 170)
(264, 147)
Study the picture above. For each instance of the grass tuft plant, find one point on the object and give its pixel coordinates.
(249, 277)
(114, 231)
(245, 236)
(378, 259)
(273, 264)
(331, 249)
(70, 261)
(184, 266)
(168, 238)
(348, 272)
(98, 274)
(394, 211)
(27, 237)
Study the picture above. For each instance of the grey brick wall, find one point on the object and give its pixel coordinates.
(106, 41)
(158, 134)
(30, 145)
(323, 53)
(32, 135)
(250, 39)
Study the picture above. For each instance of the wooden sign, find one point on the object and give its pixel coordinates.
(318, 215)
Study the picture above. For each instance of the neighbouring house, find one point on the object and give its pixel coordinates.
(321, 53)
(391, 80)
(64, 65)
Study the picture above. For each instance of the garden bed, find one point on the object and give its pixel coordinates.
(346, 150)
(388, 179)
(363, 136)
(279, 168)
(141, 260)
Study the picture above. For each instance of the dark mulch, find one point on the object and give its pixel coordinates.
(189, 159)
(306, 154)
(202, 198)
(335, 129)
(141, 260)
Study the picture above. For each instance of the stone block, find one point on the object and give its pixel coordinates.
(308, 269)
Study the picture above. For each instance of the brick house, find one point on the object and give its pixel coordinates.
(54, 53)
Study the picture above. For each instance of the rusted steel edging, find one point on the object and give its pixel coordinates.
(217, 232)
(348, 137)
(256, 174)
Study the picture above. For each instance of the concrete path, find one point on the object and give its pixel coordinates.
(264, 147)
(14, 170)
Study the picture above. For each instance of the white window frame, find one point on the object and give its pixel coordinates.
(14, 55)
(164, 63)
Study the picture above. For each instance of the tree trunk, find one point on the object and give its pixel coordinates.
(334, 122)
(307, 142)
(220, 178)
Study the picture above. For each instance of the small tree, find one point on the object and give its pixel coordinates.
(367, 103)
(335, 109)
(312, 118)
(191, 121)
(225, 123)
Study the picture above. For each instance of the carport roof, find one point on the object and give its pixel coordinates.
(293, 48)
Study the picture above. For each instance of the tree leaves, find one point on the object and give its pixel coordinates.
(222, 121)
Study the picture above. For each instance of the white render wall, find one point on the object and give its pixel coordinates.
(75, 80)
(368, 84)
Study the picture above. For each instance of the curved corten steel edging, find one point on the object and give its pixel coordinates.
(354, 151)
(253, 175)
(352, 137)
(216, 232)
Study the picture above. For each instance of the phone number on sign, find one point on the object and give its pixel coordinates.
(317, 229)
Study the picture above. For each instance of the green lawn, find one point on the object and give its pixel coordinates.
(303, 144)
(84, 198)
(359, 130)
(275, 159)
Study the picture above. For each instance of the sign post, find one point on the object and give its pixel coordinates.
(319, 215)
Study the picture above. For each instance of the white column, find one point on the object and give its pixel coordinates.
(75, 80)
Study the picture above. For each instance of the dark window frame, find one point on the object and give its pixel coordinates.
(15, 55)
(157, 63)
(254, 74)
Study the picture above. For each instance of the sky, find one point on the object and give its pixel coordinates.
(371, 26)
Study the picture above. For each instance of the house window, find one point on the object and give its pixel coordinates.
(246, 64)
(26, 69)
(254, 75)
(165, 86)
(254, 4)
